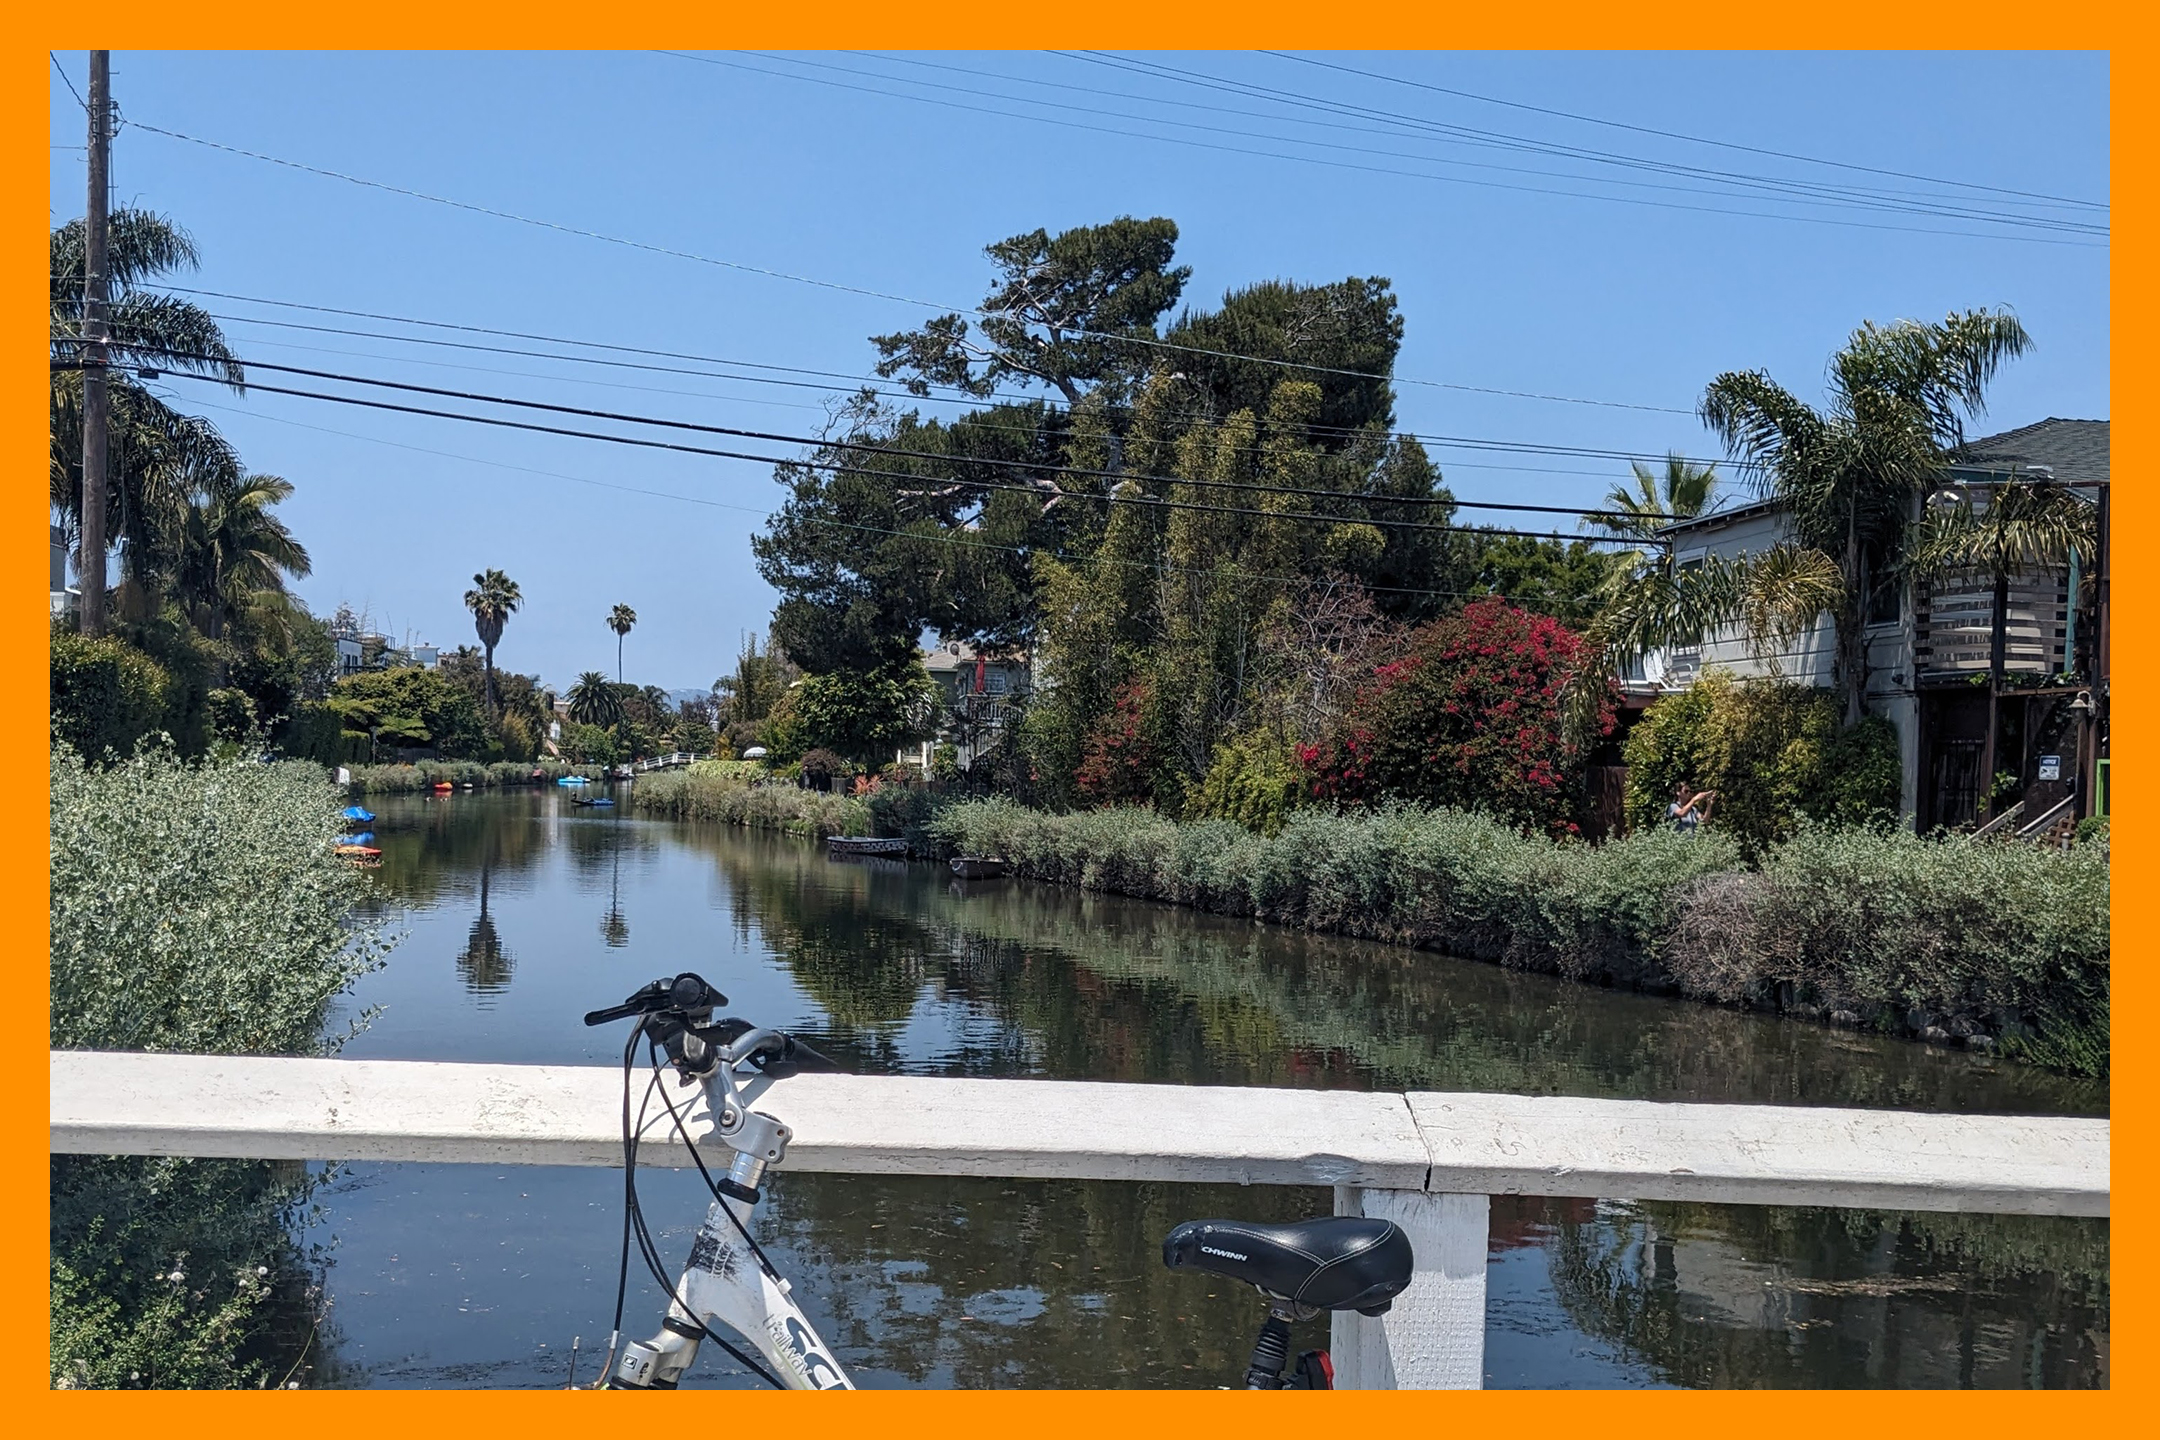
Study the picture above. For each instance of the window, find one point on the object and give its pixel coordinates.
(995, 682)
(1885, 591)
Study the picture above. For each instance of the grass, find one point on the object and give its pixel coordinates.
(729, 799)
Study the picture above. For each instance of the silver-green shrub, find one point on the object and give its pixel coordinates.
(2005, 941)
(195, 907)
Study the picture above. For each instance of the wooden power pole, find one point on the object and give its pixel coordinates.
(95, 482)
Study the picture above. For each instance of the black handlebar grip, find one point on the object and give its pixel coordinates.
(613, 1012)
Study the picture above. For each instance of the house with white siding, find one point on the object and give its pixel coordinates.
(2043, 730)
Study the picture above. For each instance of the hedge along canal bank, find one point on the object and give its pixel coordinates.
(521, 908)
(1992, 946)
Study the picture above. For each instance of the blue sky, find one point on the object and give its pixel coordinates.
(849, 182)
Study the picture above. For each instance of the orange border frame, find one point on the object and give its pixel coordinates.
(1195, 24)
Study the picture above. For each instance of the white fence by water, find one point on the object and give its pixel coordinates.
(1425, 1159)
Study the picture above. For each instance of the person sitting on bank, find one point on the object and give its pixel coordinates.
(1689, 807)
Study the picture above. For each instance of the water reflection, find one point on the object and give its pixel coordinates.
(933, 1282)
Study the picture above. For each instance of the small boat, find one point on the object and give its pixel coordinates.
(596, 800)
(863, 845)
(442, 787)
(365, 837)
(977, 867)
(573, 780)
(360, 854)
(354, 812)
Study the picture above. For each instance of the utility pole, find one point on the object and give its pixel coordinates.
(95, 401)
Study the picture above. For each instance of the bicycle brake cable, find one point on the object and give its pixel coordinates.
(634, 1222)
(698, 1160)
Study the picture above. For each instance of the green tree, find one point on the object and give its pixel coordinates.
(1684, 489)
(492, 600)
(411, 707)
(237, 553)
(106, 695)
(157, 457)
(865, 717)
(1850, 475)
(595, 700)
(620, 620)
(1775, 753)
(1055, 315)
(760, 679)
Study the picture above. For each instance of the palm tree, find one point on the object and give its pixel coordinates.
(2020, 526)
(1848, 475)
(1685, 489)
(492, 600)
(157, 456)
(594, 700)
(235, 549)
(619, 620)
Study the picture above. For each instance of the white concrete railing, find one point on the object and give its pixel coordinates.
(1425, 1159)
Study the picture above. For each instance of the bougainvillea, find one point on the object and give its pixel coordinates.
(1470, 717)
(1120, 755)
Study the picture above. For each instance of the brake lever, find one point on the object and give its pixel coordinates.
(687, 993)
(794, 1058)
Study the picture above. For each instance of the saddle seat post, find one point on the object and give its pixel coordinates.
(1270, 1353)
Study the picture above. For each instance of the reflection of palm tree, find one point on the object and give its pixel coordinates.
(615, 926)
(483, 962)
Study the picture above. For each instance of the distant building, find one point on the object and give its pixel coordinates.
(982, 690)
(64, 599)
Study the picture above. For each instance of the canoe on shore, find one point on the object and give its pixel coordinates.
(863, 845)
(977, 867)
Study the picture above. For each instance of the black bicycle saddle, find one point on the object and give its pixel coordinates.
(1335, 1262)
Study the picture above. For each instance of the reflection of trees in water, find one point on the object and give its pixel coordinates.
(982, 1283)
(615, 926)
(1042, 980)
(483, 962)
(1731, 1296)
(434, 846)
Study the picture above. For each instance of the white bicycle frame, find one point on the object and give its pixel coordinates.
(724, 1284)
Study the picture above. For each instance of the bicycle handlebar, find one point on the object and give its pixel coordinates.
(683, 1004)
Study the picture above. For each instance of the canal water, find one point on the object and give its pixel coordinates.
(522, 912)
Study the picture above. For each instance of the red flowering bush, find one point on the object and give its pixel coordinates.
(1470, 717)
(1119, 757)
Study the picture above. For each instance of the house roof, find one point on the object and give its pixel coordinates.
(958, 654)
(2076, 450)
(1720, 517)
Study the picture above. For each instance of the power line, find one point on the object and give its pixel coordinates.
(1138, 340)
(782, 460)
(68, 81)
(1813, 192)
(1676, 135)
(900, 452)
(1448, 441)
(1774, 188)
(942, 538)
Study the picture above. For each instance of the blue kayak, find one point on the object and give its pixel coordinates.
(573, 780)
(354, 812)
